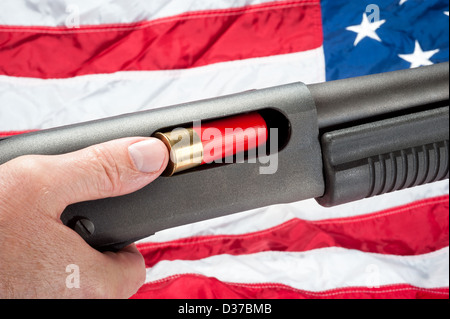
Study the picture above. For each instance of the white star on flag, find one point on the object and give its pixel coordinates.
(419, 57)
(366, 29)
(402, 2)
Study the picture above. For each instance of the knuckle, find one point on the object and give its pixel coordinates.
(102, 288)
(108, 172)
(97, 291)
(27, 182)
(30, 171)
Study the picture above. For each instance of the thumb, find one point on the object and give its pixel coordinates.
(109, 169)
(104, 170)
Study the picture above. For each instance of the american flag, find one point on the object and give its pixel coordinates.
(69, 61)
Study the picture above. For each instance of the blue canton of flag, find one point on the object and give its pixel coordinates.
(373, 36)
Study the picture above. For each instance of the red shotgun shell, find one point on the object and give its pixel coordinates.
(213, 140)
(232, 135)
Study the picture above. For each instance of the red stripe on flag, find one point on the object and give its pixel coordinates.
(184, 41)
(12, 133)
(417, 228)
(192, 286)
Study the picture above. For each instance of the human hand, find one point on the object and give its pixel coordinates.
(36, 248)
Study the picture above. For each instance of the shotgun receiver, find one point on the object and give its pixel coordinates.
(337, 142)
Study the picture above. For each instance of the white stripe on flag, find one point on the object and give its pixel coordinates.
(53, 13)
(28, 103)
(316, 270)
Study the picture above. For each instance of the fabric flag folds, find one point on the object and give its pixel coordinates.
(69, 61)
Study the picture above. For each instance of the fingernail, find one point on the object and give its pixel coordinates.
(148, 156)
